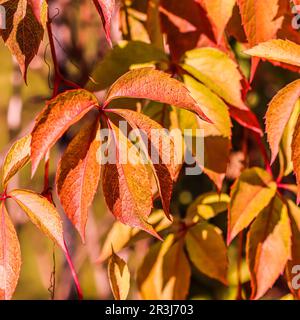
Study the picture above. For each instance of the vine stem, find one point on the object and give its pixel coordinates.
(74, 275)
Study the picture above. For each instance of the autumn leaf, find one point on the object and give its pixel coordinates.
(218, 72)
(250, 194)
(296, 155)
(148, 83)
(208, 205)
(59, 114)
(10, 256)
(201, 241)
(294, 214)
(176, 272)
(106, 9)
(25, 22)
(42, 213)
(219, 13)
(246, 118)
(160, 147)
(284, 51)
(17, 157)
(150, 277)
(78, 175)
(119, 277)
(126, 184)
(260, 21)
(279, 113)
(268, 247)
(186, 26)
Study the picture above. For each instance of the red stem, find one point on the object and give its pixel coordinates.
(74, 275)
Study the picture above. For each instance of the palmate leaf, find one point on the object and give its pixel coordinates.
(296, 155)
(25, 23)
(119, 277)
(268, 246)
(278, 114)
(10, 256)
(59, 114)
(250, 194)
(78, 175)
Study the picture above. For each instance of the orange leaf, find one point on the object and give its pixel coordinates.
(268, 247)
(42, 213)
(279, 113)
(148, 83)
(78, 175)
(284, 51)
(219, 13)
(58, 115)
(207, 250)
(250, 194)
(10, 256)
(161, 145)
(260, 22)
(126, 186)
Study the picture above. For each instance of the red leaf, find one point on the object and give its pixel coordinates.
(246, 118)
(10, 256)
(106, 9)
(148, 83)
(58, 115)
(186, 25)
(78, 175)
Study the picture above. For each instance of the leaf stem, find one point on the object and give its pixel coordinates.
(74, 275)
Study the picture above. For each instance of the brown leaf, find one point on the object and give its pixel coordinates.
(10, 256)
(119, 277)
(58, 115)
(24, 30)
(78, 175)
